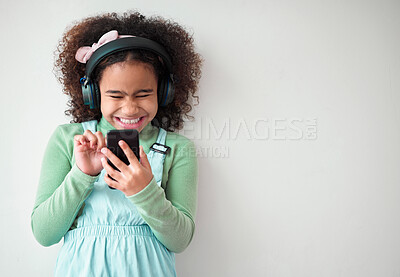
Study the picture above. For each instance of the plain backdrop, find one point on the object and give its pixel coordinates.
(297, 133)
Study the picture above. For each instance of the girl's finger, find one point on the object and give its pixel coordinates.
(143, 159)
(114, 159)
(111, 182)
(101, 142)
(128, 152)
(115, 174)
(79, 139)
(91, 138)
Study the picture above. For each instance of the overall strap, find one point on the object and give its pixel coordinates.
(157, 155)
(89, 125)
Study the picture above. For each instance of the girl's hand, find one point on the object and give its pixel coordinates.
(133, 177)
(87, 152)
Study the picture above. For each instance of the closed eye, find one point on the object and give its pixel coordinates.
(116, 96)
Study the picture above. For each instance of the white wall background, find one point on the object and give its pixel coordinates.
(278, 196)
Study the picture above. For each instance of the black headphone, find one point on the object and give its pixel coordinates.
(91, 91)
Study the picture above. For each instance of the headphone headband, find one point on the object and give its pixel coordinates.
(127, 43)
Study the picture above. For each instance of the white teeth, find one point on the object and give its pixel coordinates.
(133, 121)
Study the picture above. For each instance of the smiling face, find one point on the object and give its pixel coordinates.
(128, 95)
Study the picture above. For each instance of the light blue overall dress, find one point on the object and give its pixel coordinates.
(111, 238)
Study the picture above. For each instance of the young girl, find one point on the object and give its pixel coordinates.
(121, 72)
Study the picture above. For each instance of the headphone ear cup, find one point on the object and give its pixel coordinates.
(171, 91)
(90, 95)
(165, 92)
(96, 98)
(161, 92)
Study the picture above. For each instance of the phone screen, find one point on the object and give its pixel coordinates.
(130, 136)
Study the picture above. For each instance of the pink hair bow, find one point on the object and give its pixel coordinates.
(84, 53)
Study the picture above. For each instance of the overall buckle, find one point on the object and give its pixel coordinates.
(164, 149)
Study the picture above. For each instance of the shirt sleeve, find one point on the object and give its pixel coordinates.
(170, 213)
(62, 190)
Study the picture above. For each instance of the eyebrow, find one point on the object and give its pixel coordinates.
(123, 92)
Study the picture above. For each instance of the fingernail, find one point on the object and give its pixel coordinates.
(103, 150)
(120, 143)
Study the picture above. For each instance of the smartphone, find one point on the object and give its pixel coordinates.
(130, 136)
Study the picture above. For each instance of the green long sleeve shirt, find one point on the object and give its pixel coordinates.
(63, 189)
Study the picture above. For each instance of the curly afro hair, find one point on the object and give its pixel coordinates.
(186, 63)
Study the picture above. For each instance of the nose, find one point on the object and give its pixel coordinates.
(130, 107)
